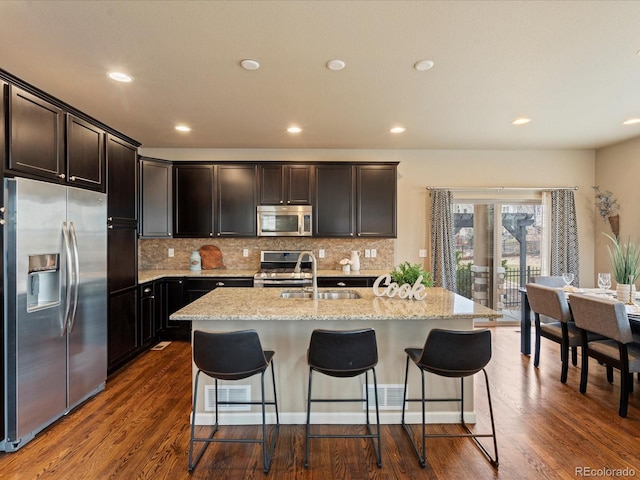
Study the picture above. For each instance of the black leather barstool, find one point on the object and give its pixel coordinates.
(232, 356)
(344, 353)
(457, 354)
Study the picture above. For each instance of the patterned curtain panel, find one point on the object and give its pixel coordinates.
(564, 235)
(443, 254)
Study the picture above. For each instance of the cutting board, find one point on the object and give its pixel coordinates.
(211, 258)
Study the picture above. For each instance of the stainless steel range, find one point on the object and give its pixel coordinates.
(276, 270)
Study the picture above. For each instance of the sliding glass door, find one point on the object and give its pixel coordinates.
(498, 247)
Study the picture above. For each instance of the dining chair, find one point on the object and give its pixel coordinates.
(618, 349)
(552, 304)
(555, 281)
(232, 356)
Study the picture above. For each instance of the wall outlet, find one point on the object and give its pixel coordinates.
(171, 252)
(367, 253)
(245, 252)
(321, 253)
(422, 253)
(374, 253)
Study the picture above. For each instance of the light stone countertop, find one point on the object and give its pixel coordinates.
(265, 304)
(150, 275)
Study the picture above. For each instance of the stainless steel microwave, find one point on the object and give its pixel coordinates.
(284, 221)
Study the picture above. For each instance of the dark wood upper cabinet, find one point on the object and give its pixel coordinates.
(193, 200)
(236, 200)
(85, 154)
(36, 136)
(376, 200)
(156, 202)
(355, 200)
(333, 210)
(122, 181)
(285, 184)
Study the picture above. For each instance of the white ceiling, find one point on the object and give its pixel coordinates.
(571, 66)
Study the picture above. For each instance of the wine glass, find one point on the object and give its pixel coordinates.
(568, 278)
(604, 281)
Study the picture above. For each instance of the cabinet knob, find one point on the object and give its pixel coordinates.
(2, 210)
(109, 226)
(218, 233)
(351, 234)
(219, 284)
(147, 290)
(211, 234)
(168, 234)
(2, 222)
(342, 284)
(62, 175)
(359, 234)
(72, 178)
(110, 219)
(281, 202)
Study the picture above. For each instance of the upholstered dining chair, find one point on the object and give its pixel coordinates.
(552, 303)
(618, 350)
(554, 281)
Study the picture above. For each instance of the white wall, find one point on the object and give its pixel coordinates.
(421, 168)
(617, 169)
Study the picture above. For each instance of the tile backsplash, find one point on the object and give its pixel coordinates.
(153, 253)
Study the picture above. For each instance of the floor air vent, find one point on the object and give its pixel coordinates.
(389, 397)
(227, 393)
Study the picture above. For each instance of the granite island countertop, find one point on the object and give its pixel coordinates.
(235, 303)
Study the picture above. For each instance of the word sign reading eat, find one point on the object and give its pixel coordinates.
(417, 290)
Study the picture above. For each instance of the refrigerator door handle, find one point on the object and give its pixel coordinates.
(76, 276)
(69, 270)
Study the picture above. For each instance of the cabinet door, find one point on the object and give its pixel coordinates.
(376, 201)
(147, 313)
(85, 154)
(236, 200)
(122, 343)
(156, 187)
(271, 184)
(333, 206)
(122, 257)
(121, 180)
(173, 293)
(298, 182)
(36, 136)
(328, 282)
(193, 200)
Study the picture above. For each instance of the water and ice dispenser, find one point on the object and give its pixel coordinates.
(43, 281)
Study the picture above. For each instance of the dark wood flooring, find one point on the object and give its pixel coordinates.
(138, 428)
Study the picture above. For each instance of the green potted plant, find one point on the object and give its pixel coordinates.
(409, 273)
(625, 266)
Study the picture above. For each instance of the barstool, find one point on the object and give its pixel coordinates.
(344, 353)
(232, 356)
(456, 354)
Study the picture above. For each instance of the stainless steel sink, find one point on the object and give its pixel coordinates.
(326, 295)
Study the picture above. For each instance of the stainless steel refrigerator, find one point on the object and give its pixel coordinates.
(55, 304)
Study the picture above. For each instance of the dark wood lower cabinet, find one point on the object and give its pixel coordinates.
(123, 333)
(353, 282)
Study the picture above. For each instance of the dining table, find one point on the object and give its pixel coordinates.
(633, 313)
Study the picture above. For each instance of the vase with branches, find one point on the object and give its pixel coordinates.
(608, 209)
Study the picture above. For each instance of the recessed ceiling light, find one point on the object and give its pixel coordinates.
(336, 65)
(294, 129)
(423, 65)
(397, 130)
(120, 77)
(521, 121)
(249, 64)
(183, 128)
(631, 121)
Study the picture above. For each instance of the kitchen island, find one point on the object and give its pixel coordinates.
(285, 326)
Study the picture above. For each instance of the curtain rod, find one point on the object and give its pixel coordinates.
(499, 189)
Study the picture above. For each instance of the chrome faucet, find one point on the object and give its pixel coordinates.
(314, 271)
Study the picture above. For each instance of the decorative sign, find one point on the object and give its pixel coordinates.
(415, 291)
